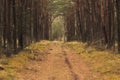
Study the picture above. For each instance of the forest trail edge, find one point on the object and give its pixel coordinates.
(60, 63)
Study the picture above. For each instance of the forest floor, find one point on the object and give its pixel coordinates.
(61, 61)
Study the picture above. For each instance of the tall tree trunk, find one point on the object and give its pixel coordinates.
(118, 22)
(14, 25)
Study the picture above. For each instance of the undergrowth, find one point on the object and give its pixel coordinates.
(104, 62)
(15, 63)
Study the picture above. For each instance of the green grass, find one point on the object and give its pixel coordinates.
(104, 62)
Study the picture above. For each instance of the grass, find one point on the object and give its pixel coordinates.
(14, 64)
(104, 62)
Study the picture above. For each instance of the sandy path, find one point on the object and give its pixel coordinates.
(60, 64)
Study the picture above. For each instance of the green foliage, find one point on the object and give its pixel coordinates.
(59, 7)
(57, 28)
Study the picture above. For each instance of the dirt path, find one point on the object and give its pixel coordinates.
(61, 63)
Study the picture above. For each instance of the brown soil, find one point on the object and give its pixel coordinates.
(60, 63)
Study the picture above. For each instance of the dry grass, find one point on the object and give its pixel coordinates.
(104, 62)
(14, 64)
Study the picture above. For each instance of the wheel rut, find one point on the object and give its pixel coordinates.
(73, 74)
(60, 64)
